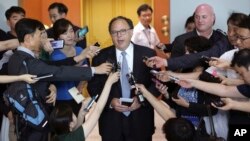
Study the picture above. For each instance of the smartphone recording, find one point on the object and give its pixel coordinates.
(39, 77)
(57, 44)
(172, 78)
(82, 32)
(218, 102)
(206, 58)
(154, 72)
(90, 104)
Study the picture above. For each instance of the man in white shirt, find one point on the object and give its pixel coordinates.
(144, 34)
(235, 28)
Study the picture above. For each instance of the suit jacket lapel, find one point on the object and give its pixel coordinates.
(112, 56)
(136, 61)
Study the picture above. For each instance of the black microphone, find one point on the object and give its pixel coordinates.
(132, 82)
(116, 66)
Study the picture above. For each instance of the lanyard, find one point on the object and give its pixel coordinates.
(147, 34)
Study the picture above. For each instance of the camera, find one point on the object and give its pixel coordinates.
(43, 76)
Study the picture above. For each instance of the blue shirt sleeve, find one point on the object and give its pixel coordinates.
(78, 51)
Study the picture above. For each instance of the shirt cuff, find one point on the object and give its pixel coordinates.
(110, 106)
(93, 71)
(166, 63)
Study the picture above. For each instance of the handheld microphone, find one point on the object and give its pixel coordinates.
(132, 82)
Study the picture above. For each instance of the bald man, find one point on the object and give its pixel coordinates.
(204, 18)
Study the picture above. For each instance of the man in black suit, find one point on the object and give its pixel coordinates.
(204, 18)
(114, 124)
(220, 47)
(31, 34)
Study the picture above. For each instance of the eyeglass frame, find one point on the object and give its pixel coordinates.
(121, 32)
(242, 39)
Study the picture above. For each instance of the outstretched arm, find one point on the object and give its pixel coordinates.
(231, 104)
(94, 116)
(9, 44)
(25, 77)
(162, 109)
(212, 88)
(164, 75)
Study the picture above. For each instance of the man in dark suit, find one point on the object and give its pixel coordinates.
(30, 34)
(204, 18)
(220, 47)
(114, 124)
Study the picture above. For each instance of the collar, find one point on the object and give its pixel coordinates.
(208, 36)
(24, 49)
(129, 51)
(141, 27)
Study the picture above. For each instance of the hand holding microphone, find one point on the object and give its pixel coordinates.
(132, 82)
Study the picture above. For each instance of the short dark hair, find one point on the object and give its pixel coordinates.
(60, 27)
(60, 118)
(13, 9)
(245, 23)
(189, 20)
(27, 26)
(60, 6)
(143, 7)
(241, 58)
(179, 129)
(197, 43)
(236, 18)
(129, 22)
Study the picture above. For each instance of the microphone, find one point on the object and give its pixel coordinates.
(132, 82)
(116, 66)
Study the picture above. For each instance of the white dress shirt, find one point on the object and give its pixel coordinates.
(145, 36)
(129, 56)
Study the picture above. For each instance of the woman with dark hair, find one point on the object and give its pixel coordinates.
(63, 30)
(68, 127)
(189, 25)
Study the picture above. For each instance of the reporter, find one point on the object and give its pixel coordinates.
(162, 109)
(175, 129)
(63, 121)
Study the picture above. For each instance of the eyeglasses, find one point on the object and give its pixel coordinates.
(242, 39)
(121, 32)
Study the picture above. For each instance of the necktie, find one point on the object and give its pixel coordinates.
(124, 81)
